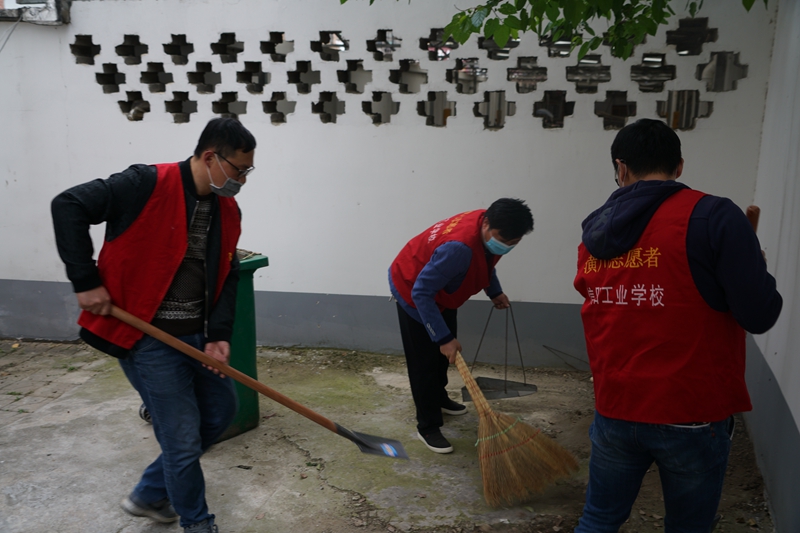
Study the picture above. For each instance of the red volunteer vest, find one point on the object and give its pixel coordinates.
(465, 228)
(138, 266)
(659, 354)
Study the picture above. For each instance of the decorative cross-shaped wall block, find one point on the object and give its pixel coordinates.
(494, 109)
(384, 45)
(203, 78)
(179, 49)
(552, 108)
(691, 35)
(437, 109)
(180, 107)
(588, 73)
(560, 48)
(354, 77)
(328, 107)
(304, 77)
(467, 75)
(381, 108)
(227, 48)
(494, 51)
(131, 50)
(438, 48)
(253, 77)
(527, 74)
(110, 78)
(229, 105)
(278, 107)
(410, 76)
(277, 47)
(681, 109)
(135, 106)
(84, 49)
(156, 78)
(615, 110)
(722, 72)
(652, 73)
(330, 45)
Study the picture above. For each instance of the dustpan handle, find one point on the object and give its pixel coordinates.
(478, 399)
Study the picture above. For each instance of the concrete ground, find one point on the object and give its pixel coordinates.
(72, 446)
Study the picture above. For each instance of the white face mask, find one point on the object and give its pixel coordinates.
(229, 189)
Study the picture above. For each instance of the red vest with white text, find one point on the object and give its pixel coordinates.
(138, 266)
(659, 354)
(464, 228)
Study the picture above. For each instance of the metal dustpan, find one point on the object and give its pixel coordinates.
(497, 389)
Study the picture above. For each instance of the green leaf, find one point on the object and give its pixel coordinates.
(491, 27)
(584, 49)
(520, 4)
(552, 11)
(508, 9)
(478, 17)
(501, 36)
(513, 22)
(524, 19)
(749, 3)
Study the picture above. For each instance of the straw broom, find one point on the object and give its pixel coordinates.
(517, 461)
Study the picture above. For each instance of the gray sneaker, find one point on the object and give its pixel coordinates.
(206, 526)
(159, 511)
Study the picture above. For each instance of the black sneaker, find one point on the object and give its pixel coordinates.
(206, 526)
(435, 441)
(159, 511)
(453, 408)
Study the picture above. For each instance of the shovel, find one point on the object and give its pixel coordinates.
(366, 443)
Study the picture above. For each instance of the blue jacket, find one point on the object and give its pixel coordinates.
(445, 270)
(724, 253)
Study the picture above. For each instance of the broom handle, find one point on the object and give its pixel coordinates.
(752, 212)
(207, 360)
(478, 399)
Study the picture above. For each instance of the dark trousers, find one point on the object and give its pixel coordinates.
(427, 368)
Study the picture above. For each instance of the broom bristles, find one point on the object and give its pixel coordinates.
(518, 461)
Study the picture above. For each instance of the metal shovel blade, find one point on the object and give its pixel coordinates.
(374, 445)
(497, 389)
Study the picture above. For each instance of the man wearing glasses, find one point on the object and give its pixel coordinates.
(672, 278)
(169, 257)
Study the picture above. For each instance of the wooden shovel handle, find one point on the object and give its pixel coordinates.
(752, 213)
(207, 360)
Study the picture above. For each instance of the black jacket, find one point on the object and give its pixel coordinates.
(117, 201)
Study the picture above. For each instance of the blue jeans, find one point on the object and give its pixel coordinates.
(190, 407)
(691, 462)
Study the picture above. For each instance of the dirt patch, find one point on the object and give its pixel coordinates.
(563, 408)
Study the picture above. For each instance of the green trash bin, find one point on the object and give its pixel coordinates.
(243, 344)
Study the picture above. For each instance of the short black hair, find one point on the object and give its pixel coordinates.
(511, 217)
(648, 147)
(226, 136)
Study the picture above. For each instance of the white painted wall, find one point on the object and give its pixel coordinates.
(778, 192)
(331, 204)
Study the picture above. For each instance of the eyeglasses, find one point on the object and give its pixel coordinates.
(616, 172)
(242, 172)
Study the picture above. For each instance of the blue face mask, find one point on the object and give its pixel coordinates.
(498, 248)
